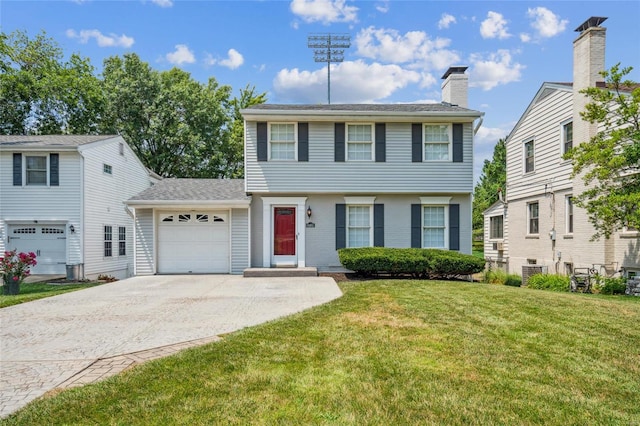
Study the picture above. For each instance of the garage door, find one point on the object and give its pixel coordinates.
(193, 242)
(48, 242)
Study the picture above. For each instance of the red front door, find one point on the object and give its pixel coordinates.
(284, 231)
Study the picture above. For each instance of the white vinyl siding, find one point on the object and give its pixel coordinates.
(437, 142)
(239, 240)
(359, 226)
(322, 174)
(144, 256)
(359, 142)
(434, 227)
(282, 141)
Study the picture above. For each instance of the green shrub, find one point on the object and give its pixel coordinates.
(498, 276)
(419, 263)
(513, 280)
(549, 282)
(611, 285)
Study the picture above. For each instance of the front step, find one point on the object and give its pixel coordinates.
(308, 271)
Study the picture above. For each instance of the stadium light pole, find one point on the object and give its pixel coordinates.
(328, 48)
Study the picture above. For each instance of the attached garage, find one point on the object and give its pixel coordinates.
(192, 226)
(48, 242)
(193, 242)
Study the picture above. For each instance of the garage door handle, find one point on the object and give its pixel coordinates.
(37, 252)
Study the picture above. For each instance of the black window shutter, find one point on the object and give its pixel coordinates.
(17, 169)
(54, 169)
(416, 225)
(378, 225)
(263, 146)
(457, 143)
(339, 142)
(454, 226)
(303, 141)
(381, 142)
(416, 142)
(341, 226)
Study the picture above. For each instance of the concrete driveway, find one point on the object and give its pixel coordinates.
(83, 336)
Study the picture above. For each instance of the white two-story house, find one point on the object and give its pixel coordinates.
(61, 197)
(538, 223)
(324, 177)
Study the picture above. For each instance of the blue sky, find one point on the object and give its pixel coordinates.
(399, 49)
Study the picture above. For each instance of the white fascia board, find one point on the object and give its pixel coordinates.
(395, 116)
(181, 204)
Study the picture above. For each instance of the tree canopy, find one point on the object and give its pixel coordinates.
(492, 179)
(609, 163)
(179, 127)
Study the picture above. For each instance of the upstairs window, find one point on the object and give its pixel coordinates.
(496, 227)
(437, 142)
(282, 141)
(528, 157)
(359, 142)
(567, 137)
(36, 170)
(532, 218)
(107, 169)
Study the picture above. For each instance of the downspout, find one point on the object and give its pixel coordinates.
(480, 121)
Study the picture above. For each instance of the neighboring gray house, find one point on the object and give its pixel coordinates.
(62, 198)
(544, 227)
(324, 177)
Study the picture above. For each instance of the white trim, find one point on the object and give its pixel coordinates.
(346, 141)
(295, 141)
(359, 200)
(562, 140)
(446, 225)
(186, 204)
(435, 200)
(268, 203)
(449, 144)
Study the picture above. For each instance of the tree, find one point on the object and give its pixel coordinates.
(609, 163)
(176, 125)
(40, 93)
(492, 179)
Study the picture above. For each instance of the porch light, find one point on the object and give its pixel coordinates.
(309, 212)
(72, 229)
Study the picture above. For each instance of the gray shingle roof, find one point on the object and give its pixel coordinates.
(53, 141)
(194, 190)
(411, 108)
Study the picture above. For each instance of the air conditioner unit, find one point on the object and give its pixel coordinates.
(500, 246)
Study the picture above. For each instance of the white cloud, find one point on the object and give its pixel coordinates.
(414, 47)
(525, 38)
(495, 26)
(546, 23)
(112, 40)
(233, 60)
(494, 70)
(325, 11)
(383, 6)
(351, 82)
(446, 20)
(163, 3)
(182, 55)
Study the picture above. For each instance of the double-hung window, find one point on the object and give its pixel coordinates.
(108, 244)
(569, 214)
(36, 169)
(282, 141)
(122, 241)
(359, 226)
(496, 227)
(528, 157)
(437, 142)
(359, 142)
(532, 218)
(567, 137)
(434, 226)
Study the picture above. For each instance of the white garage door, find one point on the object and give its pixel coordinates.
(48, 242)
(193, 242)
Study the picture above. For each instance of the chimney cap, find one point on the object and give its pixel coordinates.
(454, 70)
(594, 21)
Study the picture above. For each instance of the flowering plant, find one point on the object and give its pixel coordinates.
(16, 266)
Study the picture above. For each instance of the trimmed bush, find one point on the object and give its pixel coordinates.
(513, 280)
(608, 285)
(419, 263)
(549, 282)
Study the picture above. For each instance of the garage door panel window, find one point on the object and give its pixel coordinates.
(108, 236)
(202, 218)
(184, 217)
(166, 218)
(218, 219)
(24, 231)
(52, 231)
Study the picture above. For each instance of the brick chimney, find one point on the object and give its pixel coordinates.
(456, 86)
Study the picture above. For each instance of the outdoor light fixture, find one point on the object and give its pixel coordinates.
(309, 212)
(72, 229)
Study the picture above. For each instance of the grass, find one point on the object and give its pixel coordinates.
(35, 291)
(390, 352)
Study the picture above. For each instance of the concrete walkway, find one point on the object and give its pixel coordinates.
(80, 337)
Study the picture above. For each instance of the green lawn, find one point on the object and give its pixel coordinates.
(391, 352)
(34, 291)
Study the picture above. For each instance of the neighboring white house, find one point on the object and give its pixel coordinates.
(544, 227)
(61, 197)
